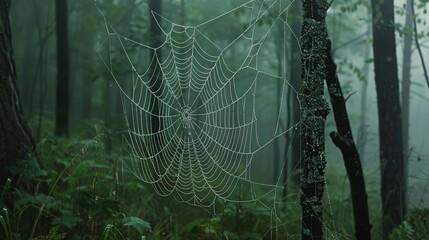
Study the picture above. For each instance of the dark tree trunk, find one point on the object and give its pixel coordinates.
(156, 73)
(295, 78)
(389, 115)
(343, 139)
(62, 99)
(16, 142)
(315, 109)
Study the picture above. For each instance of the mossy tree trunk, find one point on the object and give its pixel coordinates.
(315, 109)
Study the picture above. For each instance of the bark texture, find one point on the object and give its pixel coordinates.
(389, 115)
(343, 139)
(315, 109)
(16, 143)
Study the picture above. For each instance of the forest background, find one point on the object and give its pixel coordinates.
(91, 193)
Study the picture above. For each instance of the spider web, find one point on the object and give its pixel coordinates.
(216, 104)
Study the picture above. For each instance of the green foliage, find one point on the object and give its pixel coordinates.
(52, 235)
(404, 231)
(92, 195)
(28, 170)
(419, 221)
(5, 224)
(138, 224)
(80, 200)
(353, 6)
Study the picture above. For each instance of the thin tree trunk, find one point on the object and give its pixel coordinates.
(62, 98)
(389, 116)
(362, 131)
(156, 75)
(277, 151)
(16, 142)
(315, 109)
(405, 94)
(295, 79)
(343, 139)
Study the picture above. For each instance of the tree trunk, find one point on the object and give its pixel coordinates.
(295, 78)
(345, 142)
(156, 74)
(277, 149)
(363, 129)
(405, 95)
(389, 115)
(15, 137)
(62, 98)
(315, 109)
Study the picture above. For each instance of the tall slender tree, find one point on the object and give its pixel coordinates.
(156, 73)
(406, 87)
(280, 45)
(389, 115)
(295, 78)
(343, 139)
(362, 131)
(62, 97)
(16, 142)
(314, 37)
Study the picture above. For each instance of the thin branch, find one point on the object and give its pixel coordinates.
(418, 44)
(420, 96)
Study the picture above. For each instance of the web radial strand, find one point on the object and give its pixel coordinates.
(214, 105)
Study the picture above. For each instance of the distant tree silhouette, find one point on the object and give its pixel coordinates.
(63, 98)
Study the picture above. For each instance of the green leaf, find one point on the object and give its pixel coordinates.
(39, 200)
(137, 223)
(67, 219)
(80, 171)
(28, 169)
(53, 235)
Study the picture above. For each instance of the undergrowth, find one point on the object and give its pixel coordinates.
(84, 191)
